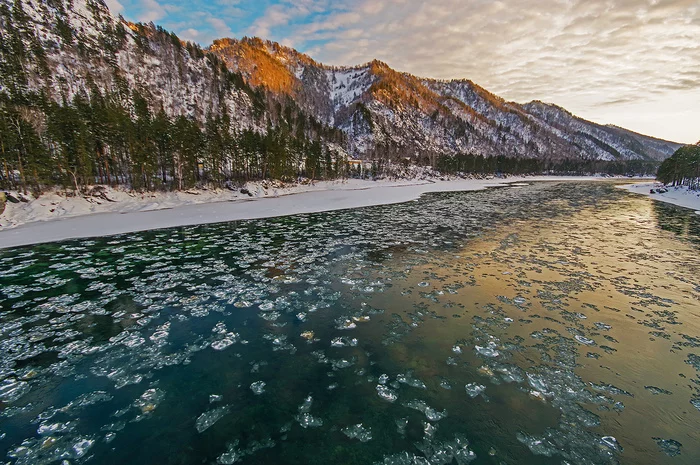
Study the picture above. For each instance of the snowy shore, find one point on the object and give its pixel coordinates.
(53, 217)
(680, 196)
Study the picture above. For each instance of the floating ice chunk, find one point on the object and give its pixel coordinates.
(383, 378)
(208, 418)
(536, 445)
(12, 389)
(445, 384)
(584, 340)
(346, 324)
(133, 340)
(401, 424)
(694, 361)
(423, 284)
(149, 400)
(611, 442)
(219, 328)
(159, 338)
(215, 398)
(656, 391)
(358, 432)
(611, 389)
(81, 446)
(430, 413)
(456, 349)
(508, 373)
(306, 405)
(474, 389)
(243, 304)
(308, 335)
(301, 316)
(270, 316)
(695, 402)
(343, 342)
(410, 380)
(258, 387)
(85, 400)
(342, 363)
(221, 344)
(669, 447)
(386, 393)
(306, 420)
(429, 430)
(488, 351)
(538, 383)
(231, 456)
(53, 428)
(267, 306)
(438, 453)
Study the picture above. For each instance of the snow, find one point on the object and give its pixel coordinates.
(347, 84)
(680, 196)
(75, 217)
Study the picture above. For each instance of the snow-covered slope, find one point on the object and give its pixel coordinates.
(387, 113)
(84, 45)
(76, 45)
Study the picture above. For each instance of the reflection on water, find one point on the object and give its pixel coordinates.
(677, 220)
(558, 326)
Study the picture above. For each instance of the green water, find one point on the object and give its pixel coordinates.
(548, 324)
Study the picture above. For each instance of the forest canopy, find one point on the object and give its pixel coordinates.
(682, 168)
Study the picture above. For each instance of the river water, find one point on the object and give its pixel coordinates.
(543, 324)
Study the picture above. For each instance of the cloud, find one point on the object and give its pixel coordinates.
(153, 11)
(582, 54)
(585, 55)
(190, 35)
(282, 14)
(114, 6)
(222, 29)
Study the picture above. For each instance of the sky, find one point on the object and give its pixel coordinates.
(633, 63)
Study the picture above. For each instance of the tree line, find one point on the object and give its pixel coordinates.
(99, 138)
(682, 168)
(471, 163)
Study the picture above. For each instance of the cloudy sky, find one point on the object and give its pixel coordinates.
(634, 63)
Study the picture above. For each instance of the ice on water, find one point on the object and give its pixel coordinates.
(208, 418)
(304, 315)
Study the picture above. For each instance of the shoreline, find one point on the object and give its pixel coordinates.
(680, 196)
(134, 213)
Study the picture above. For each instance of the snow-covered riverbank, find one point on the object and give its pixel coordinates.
(680, 196)
(53, 217)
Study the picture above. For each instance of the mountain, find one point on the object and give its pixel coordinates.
(384, 110)
(86, 96)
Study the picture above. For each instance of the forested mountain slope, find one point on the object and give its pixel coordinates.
(86, 97)
(385, 112)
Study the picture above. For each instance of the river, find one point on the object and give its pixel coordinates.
(546, 323)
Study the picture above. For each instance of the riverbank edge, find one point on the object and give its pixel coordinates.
(680, 196)
(321, 197)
